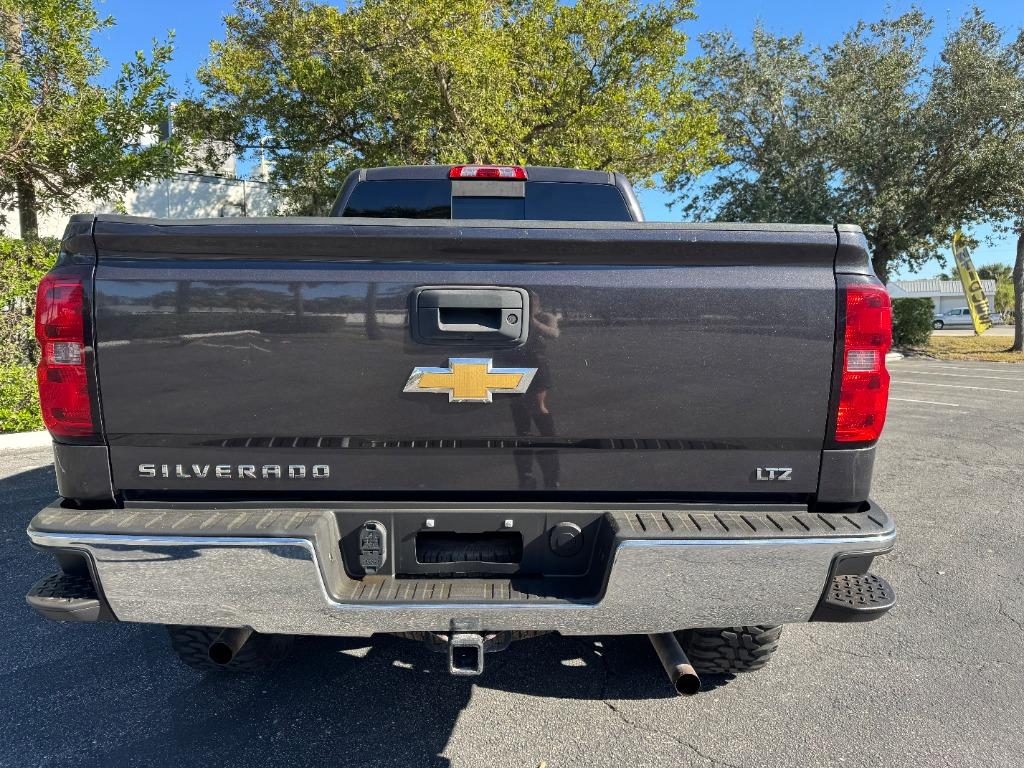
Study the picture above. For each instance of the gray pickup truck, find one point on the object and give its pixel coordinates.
(475, 404)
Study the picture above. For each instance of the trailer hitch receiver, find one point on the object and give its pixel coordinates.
(466, 653)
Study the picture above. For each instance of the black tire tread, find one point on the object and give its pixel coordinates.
(729, 650)
(192, 644)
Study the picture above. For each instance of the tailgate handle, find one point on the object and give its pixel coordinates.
(467, 315)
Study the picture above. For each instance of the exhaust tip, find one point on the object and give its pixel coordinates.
(688, 683)
(681, 674)
(227, 644)
(221, 653)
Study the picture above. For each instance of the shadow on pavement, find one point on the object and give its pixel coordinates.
(24, 494)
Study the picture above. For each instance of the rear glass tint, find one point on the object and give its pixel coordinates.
(431, 199)
(404, 199)
(563, 201)
(488, 208)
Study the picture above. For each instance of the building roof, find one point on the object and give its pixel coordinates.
(936, 287)
(896, 292)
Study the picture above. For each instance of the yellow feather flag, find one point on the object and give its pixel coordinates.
(976, 299)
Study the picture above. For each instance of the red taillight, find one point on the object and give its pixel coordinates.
(510, 172)
(63, 381)
(864, 386)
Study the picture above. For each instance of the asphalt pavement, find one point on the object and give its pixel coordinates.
(939, 681)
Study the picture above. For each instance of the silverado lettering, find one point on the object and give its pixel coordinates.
(237, 471)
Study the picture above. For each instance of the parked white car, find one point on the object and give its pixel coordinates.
(960, 316)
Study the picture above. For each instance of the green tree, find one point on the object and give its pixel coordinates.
(865, 131)
(912, 322)
(595, 84)
(1001, 273)
(1004, 298)
(63, 134)
(22, 265)
(766, 106)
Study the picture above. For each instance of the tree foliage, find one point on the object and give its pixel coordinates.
(62, 133)
(867, 131)
(595, 84)
(912, 322)
(1004, 299)
(767, 114)
(22, 265)
(999, 272)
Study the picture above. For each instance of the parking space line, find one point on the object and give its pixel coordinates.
(968, 375)
(940, 364)
(926, 402)
(957, 386)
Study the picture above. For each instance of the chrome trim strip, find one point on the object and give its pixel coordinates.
(49, 539)
(42, 538)
(278, 585)
(756, 542)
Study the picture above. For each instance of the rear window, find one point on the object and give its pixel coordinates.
(431, 199)
(560, 201)
(406, 199)
(489, 207)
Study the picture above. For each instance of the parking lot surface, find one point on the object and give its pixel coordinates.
(939, 681)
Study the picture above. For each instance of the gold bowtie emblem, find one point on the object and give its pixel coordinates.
(470, 380)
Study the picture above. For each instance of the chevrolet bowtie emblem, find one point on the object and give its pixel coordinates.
(470, 380)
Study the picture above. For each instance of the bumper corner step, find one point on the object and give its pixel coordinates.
(66, 597)
(855, 597)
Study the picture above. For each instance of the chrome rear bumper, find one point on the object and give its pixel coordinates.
(289, 584)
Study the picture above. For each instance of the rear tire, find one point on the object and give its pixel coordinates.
(938, 325)
(192, 644)
(728, 650)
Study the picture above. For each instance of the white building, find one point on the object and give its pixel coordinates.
(182, 196)
(195, 196)
(945, 294)
(191, 193)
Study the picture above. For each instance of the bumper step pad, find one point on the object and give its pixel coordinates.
(853, 597)
(64, 597)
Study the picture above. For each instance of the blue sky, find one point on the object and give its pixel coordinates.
(196, 22)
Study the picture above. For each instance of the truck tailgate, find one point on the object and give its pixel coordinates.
(270, 356)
